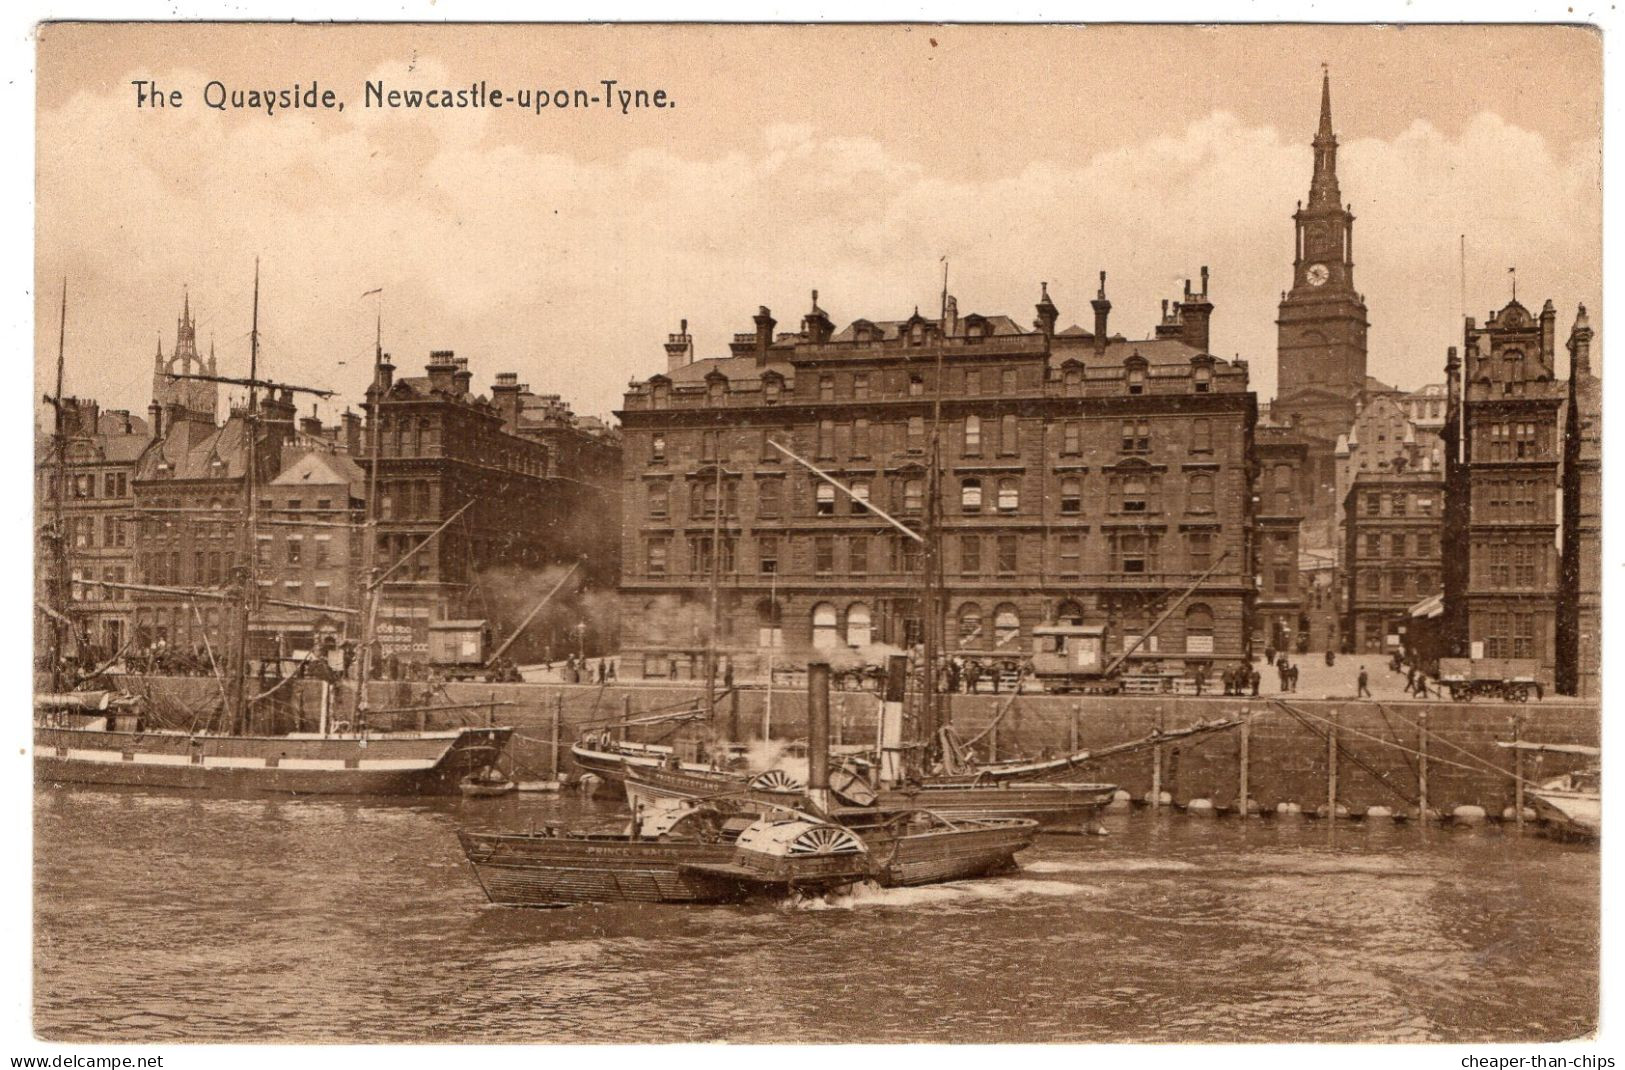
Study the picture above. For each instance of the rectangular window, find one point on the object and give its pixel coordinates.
(1399, 504)
(826, 440)
(1199, 545)
(768, 493)
(1009, 435)
(1007, 381)
(973, 437)
(916, 434)
(324, 593)
(296, 549)
(1202, 436)
(857, 555)
(1373, 544)
(1071, 496)
(1373, 505)
(1009, 495)
(659, 499)
(656, 557)
(1071, 555)
(767, 554)
(973, 382)
(1071, 439)
(1007, 547)
(826, 388)
(1373, 582)
(1396, 543)
(970, 554)
(860, 438)
(860, 386)
(657, 449)
(324, 544)
(824, 555)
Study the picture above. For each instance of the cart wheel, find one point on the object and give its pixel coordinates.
(1458, 694)
(1518, 693)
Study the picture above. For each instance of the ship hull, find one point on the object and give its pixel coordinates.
(395, 763)
(979, 849)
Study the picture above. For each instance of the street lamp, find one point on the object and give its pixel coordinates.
(581, 639)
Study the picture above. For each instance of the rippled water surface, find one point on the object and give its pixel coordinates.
(180, 917)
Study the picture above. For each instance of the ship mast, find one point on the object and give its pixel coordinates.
(237, 702)
(931, 718)
(236, 711)
(369, 591)
(57, 596)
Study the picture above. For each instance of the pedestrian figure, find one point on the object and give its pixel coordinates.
(1410, 679)
(1254, 679)
(603, 670)
(728, 676)
(1365, 684)
(1201, 679)
(1292, 678)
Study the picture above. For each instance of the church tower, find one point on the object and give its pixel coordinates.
(1321, 340)
(188, 399)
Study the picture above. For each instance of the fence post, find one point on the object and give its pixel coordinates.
(1331, 766)
(554, 744)
(1156, 764)
(1422, 765)
(1072, 736)
(1245, 758)
(733, 714)
(1517, 769)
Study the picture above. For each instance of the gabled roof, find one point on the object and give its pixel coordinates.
(320, 468)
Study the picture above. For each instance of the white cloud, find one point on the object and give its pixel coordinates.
(572, 270)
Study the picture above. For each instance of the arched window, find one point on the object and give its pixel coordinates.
(1009, 494)
(1069, 612)
(970, 625)
(825, 631)
(970, 496)
(1199, 629)
(1136, 380)
(859, 631)
(1007, 627)
(1072, 379)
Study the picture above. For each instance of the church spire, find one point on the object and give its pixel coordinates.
(1323, 191)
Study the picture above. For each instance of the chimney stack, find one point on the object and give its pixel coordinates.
(679, 349)
(1102, 308)
(505, 395)
(383, 375)
(764, 333)
(818, 734)
(1195, 316)
(352, 433)
(1548, 336)
(441, 367)
(155, 417)
(1580, 346)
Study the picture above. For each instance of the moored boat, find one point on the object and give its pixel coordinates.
(1054, 806)
(364, 763)
(1570, 805)
(700, 854)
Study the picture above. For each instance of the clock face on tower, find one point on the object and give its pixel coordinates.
(1318, 274)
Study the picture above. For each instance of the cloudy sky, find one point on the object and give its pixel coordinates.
(565, 245)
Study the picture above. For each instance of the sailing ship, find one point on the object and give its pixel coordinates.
(83, 737)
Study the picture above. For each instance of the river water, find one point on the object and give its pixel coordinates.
(173, 917)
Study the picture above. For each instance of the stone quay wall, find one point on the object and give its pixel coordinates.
(1288, 750)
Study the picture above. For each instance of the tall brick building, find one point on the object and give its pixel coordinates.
(1282, 454)
(1579, 626)
(1394, 552)
(1504, 461)
(96, 484)
(1085, 477)
(545, 493)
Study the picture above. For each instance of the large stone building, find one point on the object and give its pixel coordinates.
(1085, 477)
(541, 489)
(1504, 461)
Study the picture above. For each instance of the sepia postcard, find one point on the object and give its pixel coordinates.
(810, 534)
